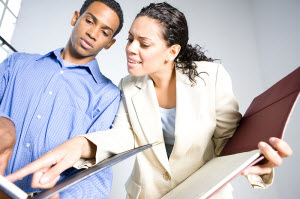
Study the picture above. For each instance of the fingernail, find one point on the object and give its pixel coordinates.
(44, 180)
(262, 144)
(272, 140)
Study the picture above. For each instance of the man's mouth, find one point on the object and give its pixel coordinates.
(85, 44)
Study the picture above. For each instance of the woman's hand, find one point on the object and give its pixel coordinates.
(273, 158)
(47, 169)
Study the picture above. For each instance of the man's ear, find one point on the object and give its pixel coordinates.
(112, 41)
(75, 18)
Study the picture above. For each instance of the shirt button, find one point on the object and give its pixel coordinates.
(50, 93)
(27, 145)
(166, 176)
(61, 72)
(39, 117)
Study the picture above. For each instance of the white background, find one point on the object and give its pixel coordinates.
(258, 42)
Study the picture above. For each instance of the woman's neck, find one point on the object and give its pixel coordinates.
(165, 88)
(165, 78)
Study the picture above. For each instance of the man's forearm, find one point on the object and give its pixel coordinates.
(7, 142)
(7, 134)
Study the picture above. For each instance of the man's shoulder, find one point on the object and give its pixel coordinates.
(22, 56)
(107, 87)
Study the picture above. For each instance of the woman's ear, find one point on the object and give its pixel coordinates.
(75, 18)
(173, 52)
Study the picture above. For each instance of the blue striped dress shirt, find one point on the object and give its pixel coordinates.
(50, 103)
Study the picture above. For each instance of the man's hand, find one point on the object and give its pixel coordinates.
(7, 142)
(47, 169)
(273, 158)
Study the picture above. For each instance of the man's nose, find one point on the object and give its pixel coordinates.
(93, 33)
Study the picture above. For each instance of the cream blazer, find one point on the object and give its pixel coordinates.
(206, 116)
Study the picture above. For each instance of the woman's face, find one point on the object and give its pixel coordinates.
(146, 49)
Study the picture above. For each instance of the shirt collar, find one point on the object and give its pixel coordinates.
(92, 65)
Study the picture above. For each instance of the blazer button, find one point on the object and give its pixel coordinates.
(166, 176)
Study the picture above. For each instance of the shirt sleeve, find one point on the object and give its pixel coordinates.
(5, 73)
(98, 185)
(121, 137)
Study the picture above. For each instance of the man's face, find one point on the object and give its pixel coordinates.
(93, 30)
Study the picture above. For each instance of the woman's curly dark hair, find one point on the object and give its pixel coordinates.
(175, 31)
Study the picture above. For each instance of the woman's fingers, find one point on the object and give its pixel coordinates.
(45, 161)
(270, 154)
(54, 172)
(273, 157)
(258, 170)
(283, 148)
(35, 183)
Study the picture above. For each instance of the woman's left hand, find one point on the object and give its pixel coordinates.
(273, 158)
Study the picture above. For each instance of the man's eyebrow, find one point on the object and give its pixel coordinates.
(96, 20)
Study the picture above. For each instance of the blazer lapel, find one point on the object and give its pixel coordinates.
(147, 110)
(188, 106)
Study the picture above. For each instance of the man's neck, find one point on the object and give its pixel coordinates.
(69, 54)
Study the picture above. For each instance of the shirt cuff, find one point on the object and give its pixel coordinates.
(84, 163)
(262, 181)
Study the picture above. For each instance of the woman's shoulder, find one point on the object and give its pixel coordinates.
(207, 66)
(129, 82)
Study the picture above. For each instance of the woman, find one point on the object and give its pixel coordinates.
(174, 94)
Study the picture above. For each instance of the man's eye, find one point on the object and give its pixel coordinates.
(88, 21)
(104, 33)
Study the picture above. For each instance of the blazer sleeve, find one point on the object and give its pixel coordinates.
(227, 110)
(227, 119)
(118, 139)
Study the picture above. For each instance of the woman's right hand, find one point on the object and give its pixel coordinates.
(47, 169)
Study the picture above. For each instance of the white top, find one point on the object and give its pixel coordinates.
(168, 127)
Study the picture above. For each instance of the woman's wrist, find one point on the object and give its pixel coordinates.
(88, 149)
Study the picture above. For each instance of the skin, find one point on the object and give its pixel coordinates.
(151, 56)
(93, 31)
(147, 53)
(8, 139)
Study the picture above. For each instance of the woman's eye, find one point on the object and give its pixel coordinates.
(129, 40)
(145, 45)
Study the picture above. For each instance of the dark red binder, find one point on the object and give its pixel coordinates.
(267, 115)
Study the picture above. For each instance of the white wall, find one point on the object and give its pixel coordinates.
(246, 35)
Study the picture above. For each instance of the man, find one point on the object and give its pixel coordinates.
(45, 100)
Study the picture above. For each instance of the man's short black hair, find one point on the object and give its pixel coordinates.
(115, 6)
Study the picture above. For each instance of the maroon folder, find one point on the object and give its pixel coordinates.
(267, 115)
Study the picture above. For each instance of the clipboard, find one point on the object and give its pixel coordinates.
(13, 191)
